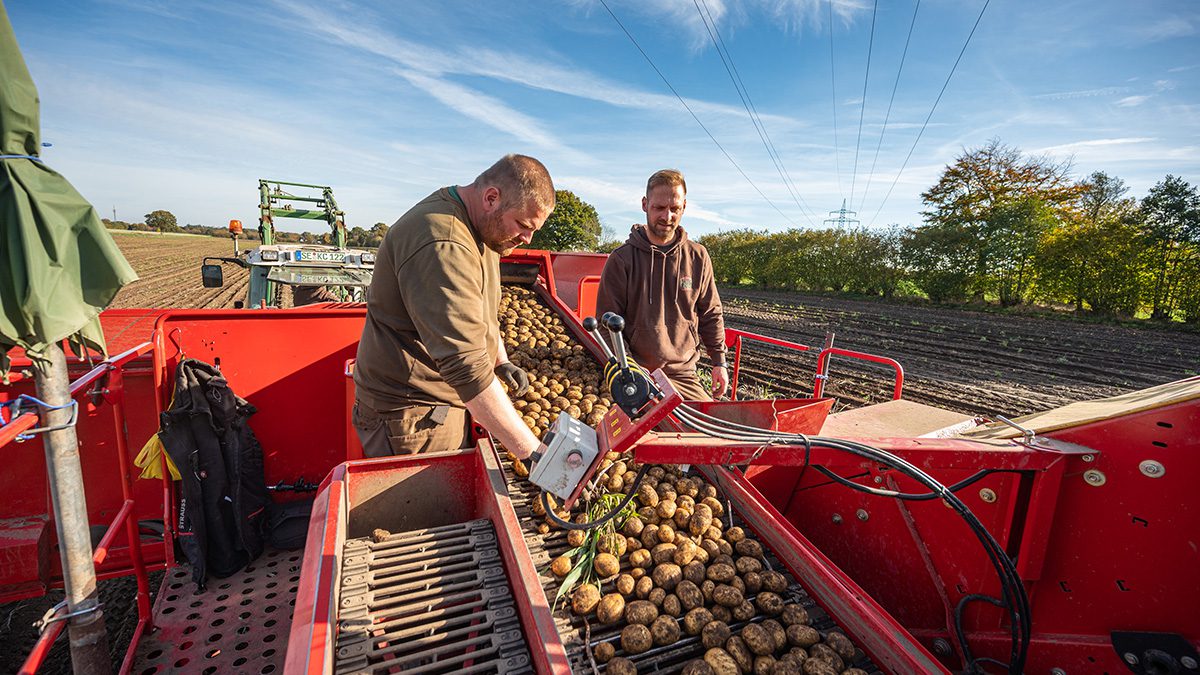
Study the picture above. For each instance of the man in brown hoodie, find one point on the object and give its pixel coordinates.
(662, 284)
(431, 349)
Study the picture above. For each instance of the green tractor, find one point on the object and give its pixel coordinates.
(284, 275)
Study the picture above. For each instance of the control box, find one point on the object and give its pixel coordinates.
(571, 449)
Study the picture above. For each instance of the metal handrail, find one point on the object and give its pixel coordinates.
(102, 384)
(737, 336)
(823, 365)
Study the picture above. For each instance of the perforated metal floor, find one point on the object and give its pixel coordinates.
(239, 625)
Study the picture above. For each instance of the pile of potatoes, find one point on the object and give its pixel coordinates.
(563, 376)
(674, 570)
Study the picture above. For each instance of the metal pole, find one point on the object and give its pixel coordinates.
(89, 642)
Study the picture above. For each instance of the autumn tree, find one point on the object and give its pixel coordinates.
(162, 221)
(1171, 227)
(573, 226)
(996, 202)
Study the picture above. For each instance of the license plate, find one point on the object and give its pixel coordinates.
(320, 256)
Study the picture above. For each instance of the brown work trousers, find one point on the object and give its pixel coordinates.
(409, 430)
(690, 387)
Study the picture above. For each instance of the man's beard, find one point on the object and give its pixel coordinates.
(492, 226)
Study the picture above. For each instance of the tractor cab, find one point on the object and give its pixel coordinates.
(287, 274)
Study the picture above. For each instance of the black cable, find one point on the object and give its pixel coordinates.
(693, 114)
(616, 511)
(907, 496)
(888, 115)
(863, 108)
(930, 115)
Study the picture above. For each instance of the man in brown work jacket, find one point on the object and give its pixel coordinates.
(662, 284)
(431, 348)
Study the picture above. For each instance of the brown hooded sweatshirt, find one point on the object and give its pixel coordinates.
(669, 300)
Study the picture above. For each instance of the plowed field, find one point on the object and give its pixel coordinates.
(168, 267)
(974, 362)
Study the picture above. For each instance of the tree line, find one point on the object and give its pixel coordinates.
(1000, 227)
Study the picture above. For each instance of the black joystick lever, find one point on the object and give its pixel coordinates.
(593, 328)
(615, 324)
(628, 383)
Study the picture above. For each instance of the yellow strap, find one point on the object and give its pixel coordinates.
(148, 460)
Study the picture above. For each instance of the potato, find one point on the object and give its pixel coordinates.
(666, 533)
(520, 469)
(712, 548)
(744, 611)
(801, 635)
(746, 565)
(663, 553)
(763, 665)
(727, 596)
(735, 534)
(715, 634)
(701, 554)
(672, 606)
(778, 634)
(667, 576)
(543, 528)
(749, 547)
(841, 644)
(606, 565)
(787, 665)
(701, 520)
(737, 583)
(640, 558)
(695, 620)
(769, 603)
(707, 587)
(576, 537)
(664, 630)
(604, 652)
(794, 614)
(656, 472)
(681, 518)
(632, 544)
(723, 559)
(637, 573)
(635, 639)
(615, 484)
(714, 533)
(612, 543)
(741, 654)
(584, 599)
(657, 595)
(561, 566)
(633, 527)
(774, 582)
(685, 502)
(685, 551)
(758, 639)
(690, 596)
(753, 582)
(817, 667)
(724, 547)
(695, 572)
(647, 495)
(721, 662)
(620, 666)
(666, 507)
(649, 536)
(643, 587)
(697, 667)
(854, 671)
(720, 572)
(823, 652)
(641, 612)
(611, 608)
(714, 505)
(721, 613)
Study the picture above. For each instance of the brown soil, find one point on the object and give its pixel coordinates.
(975, 362)
(168, 268)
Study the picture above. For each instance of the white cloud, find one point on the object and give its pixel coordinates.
(1083, 93)
(1131, 101)
(1165, 29)
(1099, 142)
(1180, 69)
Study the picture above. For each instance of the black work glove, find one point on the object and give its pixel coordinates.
(516, 379)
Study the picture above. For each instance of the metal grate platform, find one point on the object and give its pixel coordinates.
(433, 600)
(239, 625)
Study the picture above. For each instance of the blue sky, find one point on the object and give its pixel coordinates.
(183, 106)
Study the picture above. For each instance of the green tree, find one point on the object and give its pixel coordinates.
(732, 254)
(573, 226)
(997, 202)
(162, 221)
(1171, 212)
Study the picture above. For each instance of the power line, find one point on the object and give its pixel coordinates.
(930, 115)
(710, 25)
(888, 116)
(863, 109)
(837, 161)
(693, 114)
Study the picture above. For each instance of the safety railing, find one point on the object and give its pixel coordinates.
(735, 338)
(103, 384)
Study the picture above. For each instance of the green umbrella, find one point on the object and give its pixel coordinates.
(58, 269)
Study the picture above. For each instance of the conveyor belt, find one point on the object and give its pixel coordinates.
(665, 659)
(434, 600)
